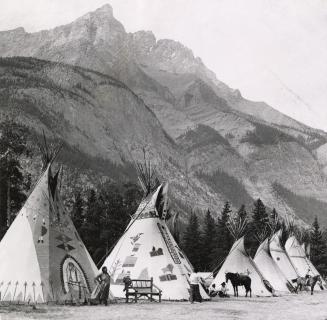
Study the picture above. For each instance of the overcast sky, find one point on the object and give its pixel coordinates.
(272, 50)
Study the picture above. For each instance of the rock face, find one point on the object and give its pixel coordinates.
(202, 134)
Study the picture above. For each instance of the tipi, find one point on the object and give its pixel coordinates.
(299, 259)
(42, 257)
(147, 249)
(270, 269)
(281, 258)
(238, 261)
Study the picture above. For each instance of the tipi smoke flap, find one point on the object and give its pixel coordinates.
(147, 249)
(42, 256)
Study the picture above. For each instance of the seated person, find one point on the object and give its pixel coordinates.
(212, 291)
(222, 292)
(127, 281)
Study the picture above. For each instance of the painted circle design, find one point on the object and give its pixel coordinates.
(73, 276)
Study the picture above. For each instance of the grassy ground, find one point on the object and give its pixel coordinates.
(301, 306)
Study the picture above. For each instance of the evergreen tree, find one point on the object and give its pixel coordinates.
(223, 238)
(91, 228)
(192, 241)
(259, 222)
(318, 248)
(77, 212)
(13, 183)
(208, 244)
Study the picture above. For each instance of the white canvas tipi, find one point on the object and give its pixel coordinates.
(42, 256)
(270, 269)
(299, 259)
(281, 258)
(147, 250)
(238, 261)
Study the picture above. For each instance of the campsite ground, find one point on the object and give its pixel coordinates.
(302, 306)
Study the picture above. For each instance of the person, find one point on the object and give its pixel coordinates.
(104, 286)
(195, 281)
(127, 281)
(213, 290)
(222, 292)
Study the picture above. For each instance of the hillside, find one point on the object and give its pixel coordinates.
(202, 134)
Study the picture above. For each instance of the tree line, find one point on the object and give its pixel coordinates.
(208, 242)
(102, 213)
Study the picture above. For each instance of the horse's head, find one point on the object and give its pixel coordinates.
(227, 276)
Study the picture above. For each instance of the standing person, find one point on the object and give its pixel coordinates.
(195, 280)
(104, 286)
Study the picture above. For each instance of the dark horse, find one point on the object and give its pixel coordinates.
(307, 281)
(239, 280)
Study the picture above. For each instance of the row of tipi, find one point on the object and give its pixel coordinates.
(274, 270)
(43, 258)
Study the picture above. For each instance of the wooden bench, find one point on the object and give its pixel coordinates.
(143, 288)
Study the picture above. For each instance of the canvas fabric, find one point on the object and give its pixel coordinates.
(43, 257)
(148, 250)
(238, 261)
(299, 259)
(281, 258)
(269, 268)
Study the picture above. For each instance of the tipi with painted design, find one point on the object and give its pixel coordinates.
(42, 256)
(147, 249)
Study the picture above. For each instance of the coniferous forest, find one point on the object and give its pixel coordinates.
(102, 213)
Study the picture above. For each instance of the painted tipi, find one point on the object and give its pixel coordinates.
(270, 269)
(299, 259)
(148, 250)
(281, 258)
(42, 257)
(238, 261)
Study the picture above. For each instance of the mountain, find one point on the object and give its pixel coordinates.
(109, 93)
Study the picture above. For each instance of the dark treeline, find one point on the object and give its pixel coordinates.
(208, 243)
(101, 216)
(102, 213)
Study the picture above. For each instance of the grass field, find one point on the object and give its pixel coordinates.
(301, 306)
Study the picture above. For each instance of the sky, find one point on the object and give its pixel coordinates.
(271, 50)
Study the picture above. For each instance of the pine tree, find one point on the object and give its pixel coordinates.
(77, 212)
(208, 244)
(258, 225)
(91, 228)
(13, 184)
(192, 241)
(223, 238)
(318, 248)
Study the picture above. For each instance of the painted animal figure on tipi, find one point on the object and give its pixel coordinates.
(239, 280)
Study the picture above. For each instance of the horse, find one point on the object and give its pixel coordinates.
(239, 280)
(308, 281)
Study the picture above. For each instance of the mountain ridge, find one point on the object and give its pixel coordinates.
(258, 146)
